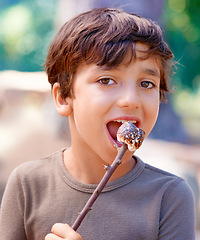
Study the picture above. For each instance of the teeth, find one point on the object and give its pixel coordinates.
(123, 121)
(120, 121)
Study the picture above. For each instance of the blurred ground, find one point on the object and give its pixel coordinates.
(30, 129)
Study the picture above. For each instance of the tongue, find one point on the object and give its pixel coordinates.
(112, 128)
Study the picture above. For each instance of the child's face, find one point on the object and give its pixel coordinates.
(104, 96)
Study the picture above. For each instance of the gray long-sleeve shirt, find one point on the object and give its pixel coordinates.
(147, 203)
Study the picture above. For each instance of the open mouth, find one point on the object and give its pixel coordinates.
(113, 127)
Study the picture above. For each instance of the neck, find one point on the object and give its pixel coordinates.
(89, 169)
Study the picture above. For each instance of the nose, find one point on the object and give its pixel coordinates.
(129, 97)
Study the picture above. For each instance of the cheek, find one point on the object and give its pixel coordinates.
(154, 111)
(151, 112)
(99, 102)
(88, 109)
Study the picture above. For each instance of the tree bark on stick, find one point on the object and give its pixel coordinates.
(109, 171)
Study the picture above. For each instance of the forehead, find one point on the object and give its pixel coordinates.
(148, 66)
(148, 63)
(141, 52)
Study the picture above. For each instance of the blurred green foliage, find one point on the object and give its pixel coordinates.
(27, 28)
(182, 19)
(25, 32)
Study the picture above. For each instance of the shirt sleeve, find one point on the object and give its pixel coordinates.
(12, 208)
(177, 219)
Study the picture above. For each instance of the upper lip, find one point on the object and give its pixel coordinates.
(134, 120)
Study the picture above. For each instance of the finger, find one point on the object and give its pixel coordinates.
(64, 231)
(60, 230)
(52, 236)
(73, 235)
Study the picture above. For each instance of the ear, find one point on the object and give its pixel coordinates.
(63, 106)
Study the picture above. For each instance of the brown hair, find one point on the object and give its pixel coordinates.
(105, 37)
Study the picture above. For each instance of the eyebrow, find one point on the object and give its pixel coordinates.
(151, 71)
(105, 68)
(146, 70)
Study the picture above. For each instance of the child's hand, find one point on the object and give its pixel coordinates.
(62, 231)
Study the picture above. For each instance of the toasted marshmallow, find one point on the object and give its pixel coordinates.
(131, 135)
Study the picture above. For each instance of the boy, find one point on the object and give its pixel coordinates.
(105, 66)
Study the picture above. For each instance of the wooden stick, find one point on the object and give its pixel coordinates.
(109, 171)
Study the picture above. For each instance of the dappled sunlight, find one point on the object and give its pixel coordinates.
(16, 23)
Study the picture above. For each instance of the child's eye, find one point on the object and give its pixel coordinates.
(106, 81)
(147, 84)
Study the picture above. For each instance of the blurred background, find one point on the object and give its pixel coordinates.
(30, 128)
